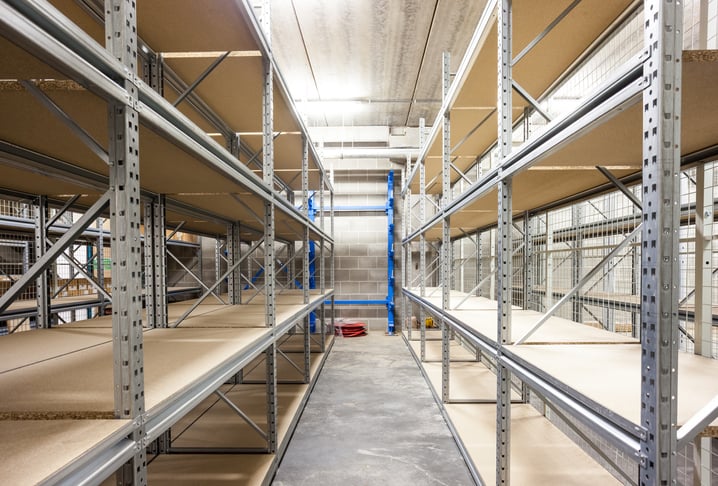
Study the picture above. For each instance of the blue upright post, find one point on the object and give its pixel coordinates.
(312, 266)
(390, 253)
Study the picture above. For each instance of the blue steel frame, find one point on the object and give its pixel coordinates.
(390, 253)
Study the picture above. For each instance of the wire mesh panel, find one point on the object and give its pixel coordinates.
(518, 261)
(698, 296)
(487, 265)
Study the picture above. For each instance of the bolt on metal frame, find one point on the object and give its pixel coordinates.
(124, 201)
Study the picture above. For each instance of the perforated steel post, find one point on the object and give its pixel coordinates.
(269, 249)
(322, 268)
(504, 246)
(446, 260)
(42, 282)
(234, 282)
(305, 256)
(422, 254)
(121, 39)
(659, 239)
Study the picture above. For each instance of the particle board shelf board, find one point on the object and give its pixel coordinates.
(79, 384)
(210, 469)
(26, 348)
(189, 179)
(37, 449)
(480, 314)
(289, 297)
(540, 453)
(187, 420)
(220, 426)
(433, 351)
(256, 371)
(569, 168)
(240, 108)
(57, 304)
(235, 316)
(294, 343)
(611, 375)
(473, 119)
(467, 381)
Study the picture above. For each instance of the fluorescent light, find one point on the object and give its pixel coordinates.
(209, 54)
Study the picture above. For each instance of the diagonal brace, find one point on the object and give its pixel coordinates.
(80, 132)
(60, 246)
(294, 365)
(62, 211)
(243, 415)
(175, 231)
(485, 279)
(201, 78)
(569, 295)
(199, 280)
(697, 423)
(545, 32)
(621, 187)
(525, 95)
(80, 268)
(211, 289)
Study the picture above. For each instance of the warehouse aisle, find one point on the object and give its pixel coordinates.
(372, 420)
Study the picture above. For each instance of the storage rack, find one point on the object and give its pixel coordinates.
(646, 121)
(130, 106)
(82, 288)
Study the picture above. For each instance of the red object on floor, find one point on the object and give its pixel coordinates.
(349, 328)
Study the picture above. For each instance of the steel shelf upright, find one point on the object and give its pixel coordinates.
(445, 263)
(422, 252)
(269, 242)
(123, 155)
(504, 246)
(659, 239)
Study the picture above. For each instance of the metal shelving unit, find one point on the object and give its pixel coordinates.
(155, 116)
(643, 122)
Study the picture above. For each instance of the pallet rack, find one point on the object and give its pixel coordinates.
(644, 122)
(157, 116)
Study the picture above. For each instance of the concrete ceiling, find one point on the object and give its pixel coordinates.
(379, 60)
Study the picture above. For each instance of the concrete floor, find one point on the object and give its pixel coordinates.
(372, 420)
